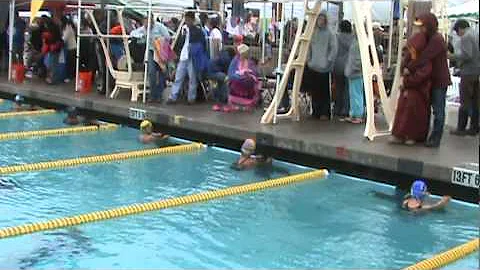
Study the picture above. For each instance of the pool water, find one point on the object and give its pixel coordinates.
(338, 222)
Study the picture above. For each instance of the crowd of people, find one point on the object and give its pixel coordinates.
(201, 54)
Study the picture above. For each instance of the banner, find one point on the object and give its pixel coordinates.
(34, 8)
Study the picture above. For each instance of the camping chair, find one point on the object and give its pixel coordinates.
(125, 76)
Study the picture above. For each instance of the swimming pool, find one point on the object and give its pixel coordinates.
(338, 222)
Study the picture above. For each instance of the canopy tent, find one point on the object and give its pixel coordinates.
(467, 9)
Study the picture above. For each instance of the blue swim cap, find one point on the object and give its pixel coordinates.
(418, 189)
(19, 99)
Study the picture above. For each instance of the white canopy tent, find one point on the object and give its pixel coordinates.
(468, 7)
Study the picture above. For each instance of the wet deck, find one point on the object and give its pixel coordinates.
(333, 141)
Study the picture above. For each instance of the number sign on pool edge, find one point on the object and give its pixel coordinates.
(465, 177)
(137, 114)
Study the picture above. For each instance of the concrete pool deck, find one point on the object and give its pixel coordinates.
(335, 141)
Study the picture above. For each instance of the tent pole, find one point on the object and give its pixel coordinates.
(264, 30)
(77, 54)
(10, 41)
(107, 72)
(280, 46)
(390, 35)
(147, 50)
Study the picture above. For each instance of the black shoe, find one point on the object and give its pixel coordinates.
(190, 102)
(171, 102)
(458, 132)
(432, 144)
(472, 132)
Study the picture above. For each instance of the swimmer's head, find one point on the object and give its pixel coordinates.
(248, 147)
(418, 190)
(72, 112)
(146, 126)
(19, 99)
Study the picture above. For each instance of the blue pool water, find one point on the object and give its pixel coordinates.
(338, 222)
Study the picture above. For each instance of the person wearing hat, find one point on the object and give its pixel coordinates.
(436, 53)
(248, 159)
(147, 135)
(415, 200)
(242, 80)
(320, 63)
(19, 104)
(72, 117)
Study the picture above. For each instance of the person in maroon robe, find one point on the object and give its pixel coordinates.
(413, 110)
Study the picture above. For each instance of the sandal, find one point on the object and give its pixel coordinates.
(409, 142)
(216, 108)
(395, 140)
(356, 121)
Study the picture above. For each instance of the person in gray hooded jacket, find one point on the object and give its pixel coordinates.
(342, 97)
(468, 58)
(321, 59)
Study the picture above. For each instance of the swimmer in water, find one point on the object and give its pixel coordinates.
(415, 200)
(148, 136)
(20, 106)
(248, 159)
(72, 117)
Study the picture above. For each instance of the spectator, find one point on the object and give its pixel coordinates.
(19, 37)
(193, 59)
(217, 72)
(342, 99)
(51, 50)
(321, 59)
(70, 42)
(215, 38)
(413, 110)
(353, 72)
(378, 38)
(36, 43)
(436, 52)
(117, 48)
(243, 81)
(157, 62)
(468, 59)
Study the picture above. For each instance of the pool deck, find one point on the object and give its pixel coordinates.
(335, 141)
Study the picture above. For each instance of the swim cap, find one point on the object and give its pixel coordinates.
(418, 189)
(248, 147)
(72, 112)
(19, 99)
(145, 124)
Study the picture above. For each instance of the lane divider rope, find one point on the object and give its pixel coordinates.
(47, 165)
(26, 113)
(157, 205)
(448, 256)
(54, 132)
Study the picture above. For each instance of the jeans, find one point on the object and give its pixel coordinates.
(220, 93)
(185, 68)
(156, 78)
(469, 87)
(357, 99)
(438, 105)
